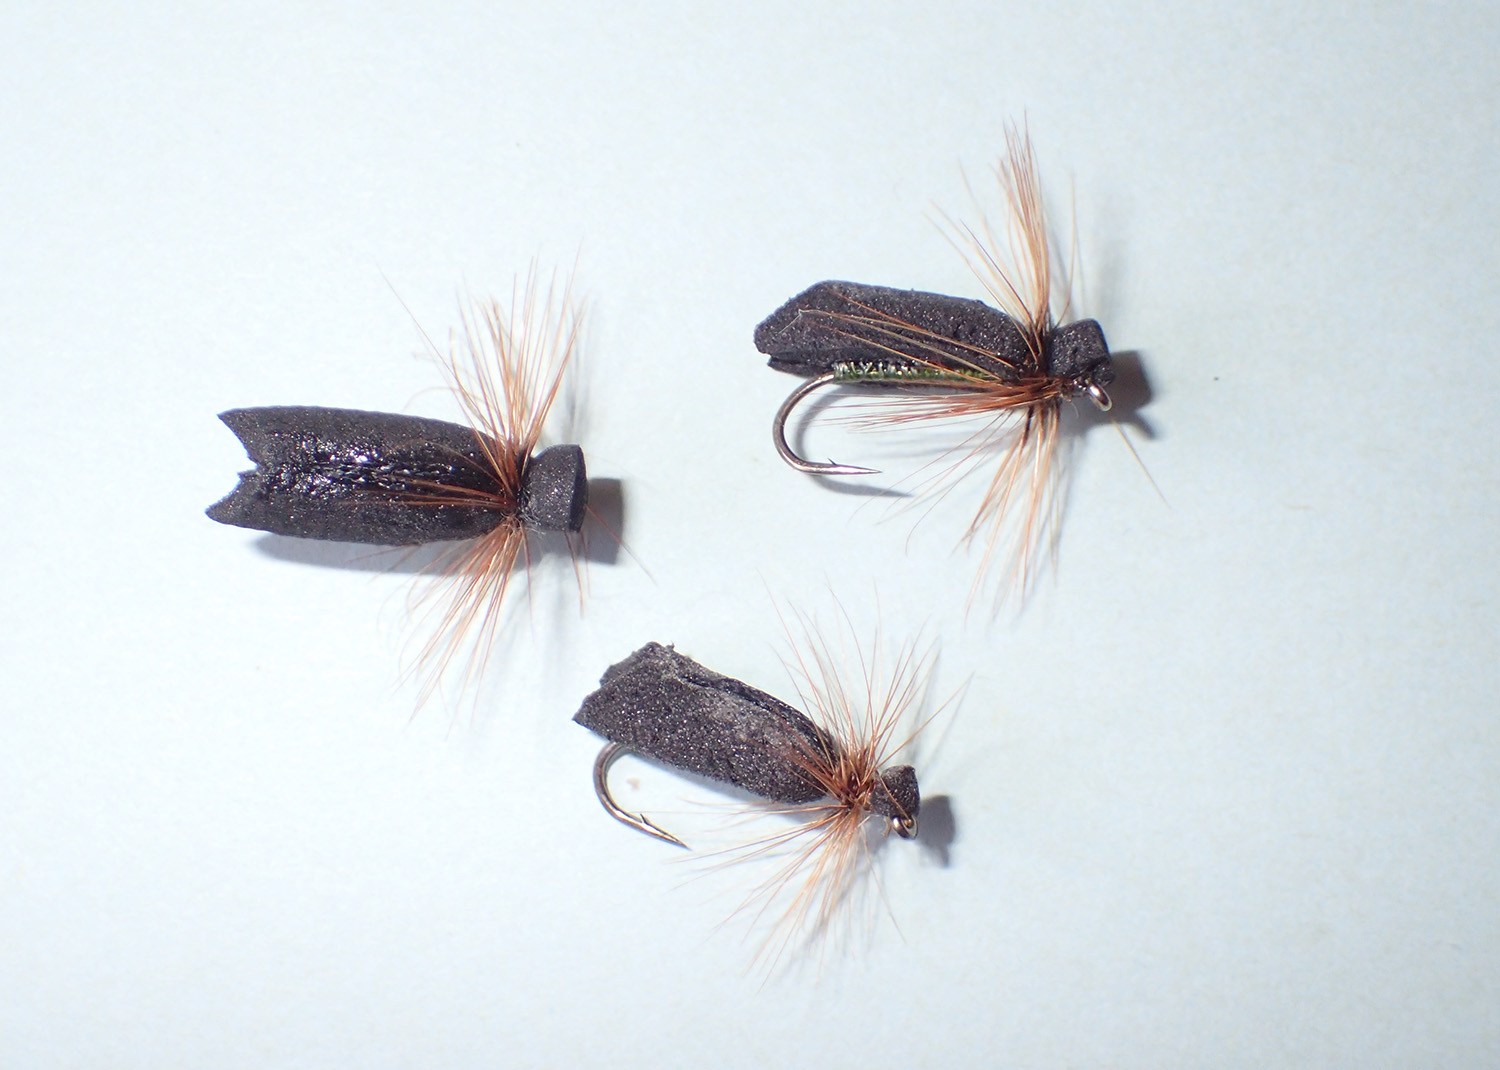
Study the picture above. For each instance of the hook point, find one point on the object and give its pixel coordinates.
(639, 822)
(778, 435)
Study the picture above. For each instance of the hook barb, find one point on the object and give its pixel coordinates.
(639, 822)
(778, 434)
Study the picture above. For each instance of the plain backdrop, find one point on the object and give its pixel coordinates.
(1224, 792)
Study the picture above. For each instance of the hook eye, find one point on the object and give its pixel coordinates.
(905, 827)
(1100, 396)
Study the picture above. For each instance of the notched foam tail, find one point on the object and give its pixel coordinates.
(347, 475)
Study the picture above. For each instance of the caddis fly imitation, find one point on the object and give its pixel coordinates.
(832, 773)
(1011, 369)
(393, 480)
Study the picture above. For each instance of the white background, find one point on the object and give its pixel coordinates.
(1225, 793)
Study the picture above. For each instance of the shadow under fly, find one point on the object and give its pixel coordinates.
(937, 358)
(828, 776)
(482, 490)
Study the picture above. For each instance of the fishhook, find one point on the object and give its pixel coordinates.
(1100, 396)
(778, 435)
(602, 763)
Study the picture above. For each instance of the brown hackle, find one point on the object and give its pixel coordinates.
(1019, 416)
(505, 366)
(820, 860)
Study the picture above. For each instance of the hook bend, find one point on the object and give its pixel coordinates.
(639, 822)
(778, 434)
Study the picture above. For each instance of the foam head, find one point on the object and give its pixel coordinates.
(555, 490)
(1079, 354)
(898, 799)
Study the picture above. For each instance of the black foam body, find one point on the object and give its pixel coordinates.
(354, 476)
(348, 475)
(555, 490)
(834, 323)
(841, 323)
(668, 707)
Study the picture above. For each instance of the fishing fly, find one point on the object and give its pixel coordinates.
(393, 480)
(832, 773)
(1011, 368)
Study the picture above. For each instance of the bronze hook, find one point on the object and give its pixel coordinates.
(639, 822)
(778, 434)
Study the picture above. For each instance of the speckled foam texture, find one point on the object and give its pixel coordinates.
(847, 322)
(350, 476)
(668, 707)
(836, 323)
(555, 490)
(339, 473)
(1079, 354)
(901, 798)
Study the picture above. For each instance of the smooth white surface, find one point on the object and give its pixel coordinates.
(1226, 793)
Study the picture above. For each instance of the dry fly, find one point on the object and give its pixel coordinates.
(392, 480)
(1010, 368)
(830, 770)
